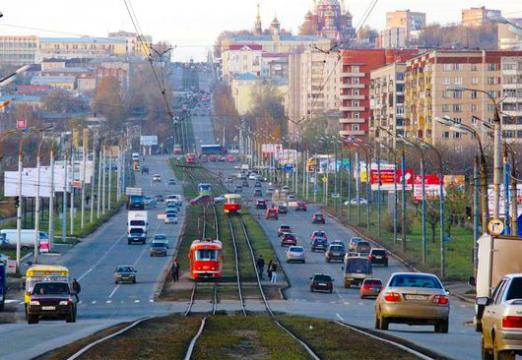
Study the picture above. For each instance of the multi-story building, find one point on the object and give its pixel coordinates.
(387, 101)
(135, 44)
(241, 58)
(508, 38)
(61, 82)
(432, 84)
(18, 49)
(81, 47)
(478, 16)
(274, 65)
(402, 26)
(244, 85)
(357, 64)
(313, 86)
(511, 70)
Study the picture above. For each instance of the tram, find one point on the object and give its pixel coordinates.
(190, 158)
(204, 189)
(206, 259)
(232, 205)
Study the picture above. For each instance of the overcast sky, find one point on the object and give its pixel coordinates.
(193, 25)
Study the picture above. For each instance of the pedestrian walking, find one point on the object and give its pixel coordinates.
(174, 270)
(269, 268)
(260, 264)
(76, 288)
(273, 278)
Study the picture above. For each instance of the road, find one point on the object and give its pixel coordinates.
(92, 262)
(462, 342)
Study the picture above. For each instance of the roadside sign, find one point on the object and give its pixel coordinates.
(495, 227)
(336, 196)
(21, 124)
(324, 179)
(133, 191)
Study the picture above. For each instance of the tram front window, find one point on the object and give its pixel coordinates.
(206, 255)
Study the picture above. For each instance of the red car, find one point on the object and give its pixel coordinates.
(301, 206)
(370, 287)
(272, 213)
(318, 218)
(288, 239)
(318, 233)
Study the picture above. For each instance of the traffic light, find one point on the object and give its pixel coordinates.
(17, 202)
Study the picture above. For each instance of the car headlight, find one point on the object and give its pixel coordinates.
(34, 302)
(64, 302)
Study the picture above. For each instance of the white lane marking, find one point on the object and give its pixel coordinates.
(9, 301)
(136, 301)
(108, 301)
(339, 317)
(93, 302)
(346, 303)
(101, 258)
(114, 290)
(360, 303)
(21, 303)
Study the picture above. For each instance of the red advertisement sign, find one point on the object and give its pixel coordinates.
(431, 185)
(388, 177)
(21, 124)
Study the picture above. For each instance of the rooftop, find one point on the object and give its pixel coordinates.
(85, 40)
(39, 80)
(282, 38)
(246, 76)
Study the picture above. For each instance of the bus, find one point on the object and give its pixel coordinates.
(204, 189)
(39, 273)
(213, 149)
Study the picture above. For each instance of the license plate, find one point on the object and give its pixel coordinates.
(378, 257)
(48, 307)
(416, 297)
(321, 284)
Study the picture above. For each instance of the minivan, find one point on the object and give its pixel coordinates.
(27, 239)
(356, 269)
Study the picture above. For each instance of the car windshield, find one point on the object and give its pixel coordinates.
(415, 281)
(379, 252)
(136, 231)
(358, 265)
(372, 282)
(284, 227)
(515, 290)
(296, 249)
(318, 216)
(137, 223)
(160, 237)
(124, 269)
(51, 288)
(322, 278)
(336, 248)
(158, 245)
(363, 245)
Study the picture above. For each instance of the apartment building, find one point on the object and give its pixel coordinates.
(80, 47)
(478, 16)
(509, 38)
(313, 80)
(357, 64)
(241, 58)
(432, 83)
(387, 101)
(18, 50)
(402, 26)
(511, 70)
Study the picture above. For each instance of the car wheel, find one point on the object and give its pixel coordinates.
(32, 319)
(134, 281)
(362, 296)
(442, 326)
(503, 355)
(70, 318)
(377, 324)
(128, 242)
(486, 354)
(116, 282)
(384, 323)
(386, 264)
(311, 290)
(327, 260)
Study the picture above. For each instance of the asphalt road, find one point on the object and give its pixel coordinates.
(462, 342)
(92, 262)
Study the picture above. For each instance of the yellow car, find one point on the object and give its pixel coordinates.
(413, 299)
(502, 320)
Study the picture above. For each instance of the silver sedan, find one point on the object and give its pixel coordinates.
(295, 253)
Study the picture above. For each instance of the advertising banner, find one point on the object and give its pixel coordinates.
(491, 200)
(389, 177)
(30, 181)
(149, 140)
(431, 185)
(271, 149)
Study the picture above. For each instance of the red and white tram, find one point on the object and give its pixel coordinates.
(232, 203)
(206, 259)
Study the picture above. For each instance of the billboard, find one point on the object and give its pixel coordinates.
(502, 197)
(286, 156)
(431, 186)
(271, 149)
(78, 170)
(29, 181)
(149, 140)
(388, 177)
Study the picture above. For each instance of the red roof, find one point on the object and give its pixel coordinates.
(241, 46)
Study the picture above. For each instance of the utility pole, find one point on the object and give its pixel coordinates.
(403, 223)
(51, 199)
(94, 143)
(37, 205)
(104, 186)
(497, 159)
(64, 205)
(83, 178)
(73, 149)
(19, 209)
(100, 177)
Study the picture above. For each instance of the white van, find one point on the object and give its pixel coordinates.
(27, 239)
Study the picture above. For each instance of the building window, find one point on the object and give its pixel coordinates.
(491, 107)
(355, 68)
(356, 115)
(355, 127)
(448, 67)
(447, 81)
(474, 108)
(355, 92)
(492, 80)
(355, 103)
(492, 67)
(355, 81)
(474, 67)
(474, 80)
(457, 135)
(473, 94)
(457, 108)
(445, 108)
(445, 134)
(458, 81)
(458, 120)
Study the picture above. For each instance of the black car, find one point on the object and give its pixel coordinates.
(51, 299)
(245, 183)
(319, 243)
(144, 170)
(257, 184)
(318, 218)
(258, 193)
(159, 198)
(379, 256)
(282, 209)
(321, 282)
(261, 204)
(335, 252)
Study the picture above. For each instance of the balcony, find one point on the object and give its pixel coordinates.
(352, 86)
(351, 108)
(352, 97)
(352, 74)
(351, 121)
(352, 133)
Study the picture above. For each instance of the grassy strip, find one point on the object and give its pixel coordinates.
(254, 337)
(341, 343)
(159, 338)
